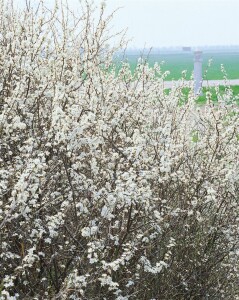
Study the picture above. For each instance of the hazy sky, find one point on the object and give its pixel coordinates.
(179, 22)
(161, 23)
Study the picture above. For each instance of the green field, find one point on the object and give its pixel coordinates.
(175, 63)
(214, 96)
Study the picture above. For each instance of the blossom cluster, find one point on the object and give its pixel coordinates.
(110, 187)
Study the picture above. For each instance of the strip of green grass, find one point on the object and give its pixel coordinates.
(175, 63)
(222, 91)
(214, 95)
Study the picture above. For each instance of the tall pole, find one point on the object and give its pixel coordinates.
(197, 72)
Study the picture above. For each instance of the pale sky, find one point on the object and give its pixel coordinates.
(160, 23)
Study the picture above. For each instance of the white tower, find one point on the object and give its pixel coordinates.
(198, 72)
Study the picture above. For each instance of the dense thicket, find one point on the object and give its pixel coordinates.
(110, 189)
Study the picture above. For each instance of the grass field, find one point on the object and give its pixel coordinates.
(202, 99)
(177, 62)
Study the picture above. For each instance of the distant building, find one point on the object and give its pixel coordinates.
(187, 49)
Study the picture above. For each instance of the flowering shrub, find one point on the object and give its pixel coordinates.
(110, 189)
